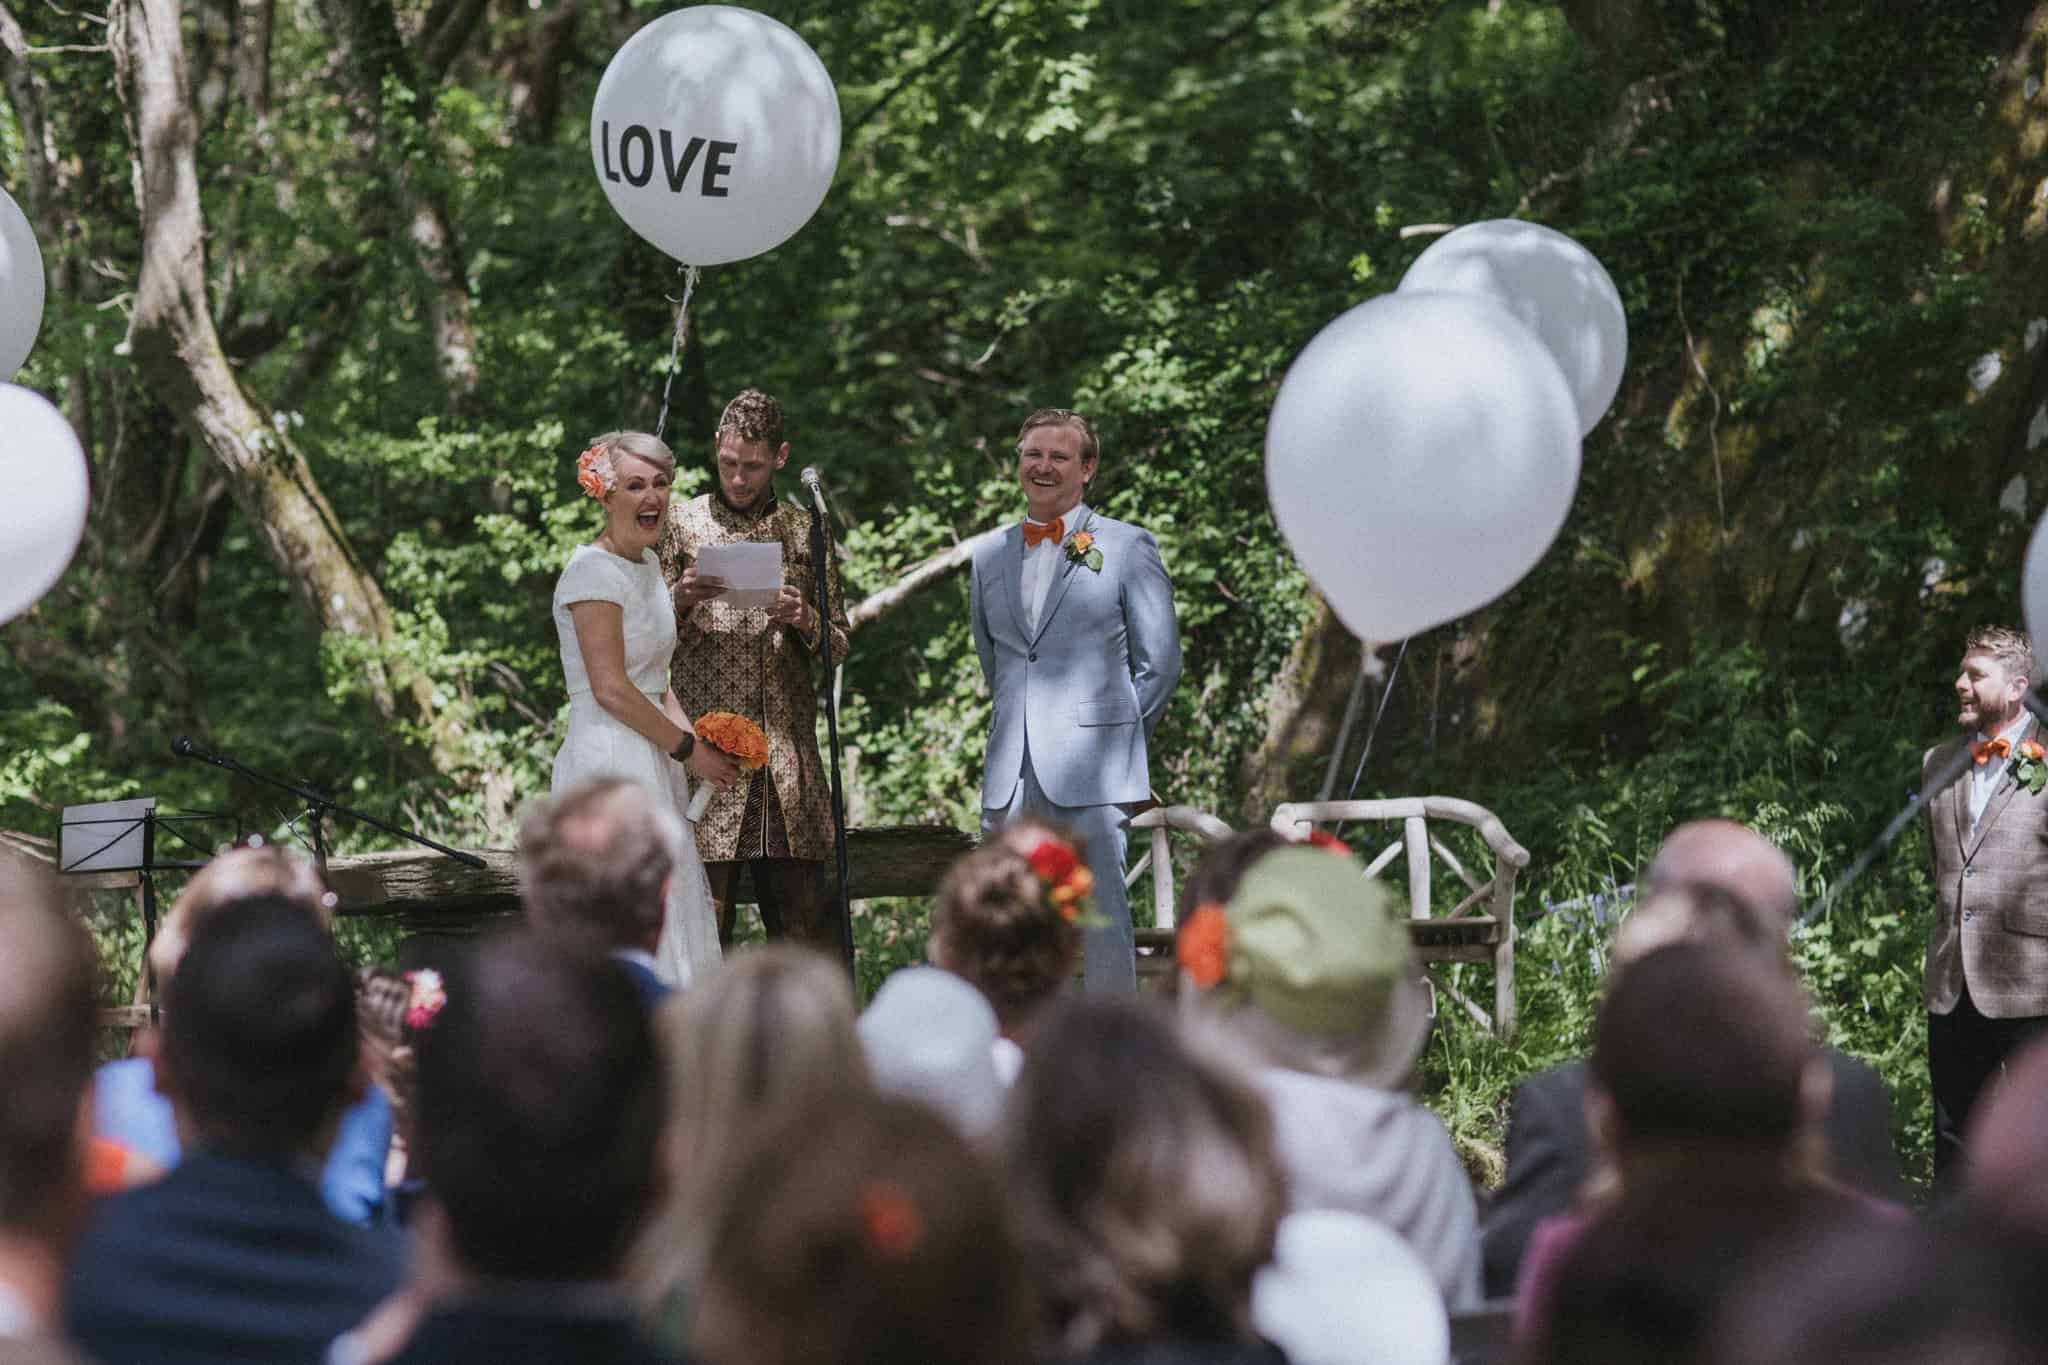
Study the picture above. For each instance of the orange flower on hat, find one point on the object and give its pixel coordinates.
(592, 470)
(1203, 947)
(889, 1220)
(1322, 838)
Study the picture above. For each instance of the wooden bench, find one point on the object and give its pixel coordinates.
(1481, 926)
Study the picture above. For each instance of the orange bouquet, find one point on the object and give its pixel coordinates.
(735, 736)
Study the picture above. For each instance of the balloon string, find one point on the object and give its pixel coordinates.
(675, 345)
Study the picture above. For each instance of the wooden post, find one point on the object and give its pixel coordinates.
(1415, 834)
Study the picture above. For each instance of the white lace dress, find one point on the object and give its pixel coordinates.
(601, 745)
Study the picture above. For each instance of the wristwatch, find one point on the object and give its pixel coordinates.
(681, 753)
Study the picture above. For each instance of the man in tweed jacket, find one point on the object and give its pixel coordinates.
(1987, 950)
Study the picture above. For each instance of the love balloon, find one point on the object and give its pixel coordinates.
(715, 133)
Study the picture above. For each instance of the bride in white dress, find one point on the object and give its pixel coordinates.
(618, 628)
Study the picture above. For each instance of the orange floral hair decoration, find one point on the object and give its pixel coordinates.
(889, 1221)
(594, 471)
(1203, 946)
(1068, 883)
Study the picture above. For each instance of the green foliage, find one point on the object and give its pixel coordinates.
(1143, 211)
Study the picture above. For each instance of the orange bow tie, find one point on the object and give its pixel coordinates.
(1035, 534)
(2001, 747)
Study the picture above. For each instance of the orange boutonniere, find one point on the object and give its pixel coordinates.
(1068, 884)
(1203, 947)
(594, 472)
(735, 736)
(889, 1222)
(2029, 768)
(1081, 549)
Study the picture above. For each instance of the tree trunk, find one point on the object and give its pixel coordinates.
(1304, 708)
(173, 339)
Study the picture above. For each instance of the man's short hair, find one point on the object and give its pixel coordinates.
(47, 1020)
(593, 862)
(2013, 650)
(1091, 449)
(752, 416)
(540, 1104)
(259, 1032)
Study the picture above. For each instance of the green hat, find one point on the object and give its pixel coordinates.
(1320, 950)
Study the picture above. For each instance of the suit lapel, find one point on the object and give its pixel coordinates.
(2008, 788)
(1012, 578)
(1063, 576)
(1958, 798)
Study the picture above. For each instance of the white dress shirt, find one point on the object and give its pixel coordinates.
(1985, 777)
(1042, 562)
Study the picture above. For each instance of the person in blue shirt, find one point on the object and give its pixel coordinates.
(128, 1108)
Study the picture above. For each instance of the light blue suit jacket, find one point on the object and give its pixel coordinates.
(1086, 689)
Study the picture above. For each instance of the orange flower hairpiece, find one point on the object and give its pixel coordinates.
(1068, 883)
(889, 1221)
(1203, 947)
(594, 472)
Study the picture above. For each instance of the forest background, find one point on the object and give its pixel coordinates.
(336, 300)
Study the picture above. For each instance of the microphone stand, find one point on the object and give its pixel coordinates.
(1938, 782)
(821, 550)
(318, 804)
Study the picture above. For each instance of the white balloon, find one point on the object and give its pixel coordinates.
(715, 133)
(1551, 283)
(21, 287)
(42, 497)
(2034, 592)
(1421, 456)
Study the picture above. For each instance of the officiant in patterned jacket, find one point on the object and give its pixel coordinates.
(761, 663)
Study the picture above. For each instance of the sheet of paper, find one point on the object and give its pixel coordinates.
(752, 571)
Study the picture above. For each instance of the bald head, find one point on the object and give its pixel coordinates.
(1729, 857)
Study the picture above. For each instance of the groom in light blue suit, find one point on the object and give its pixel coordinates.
(1073, 621)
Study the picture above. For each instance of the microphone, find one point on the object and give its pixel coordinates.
(809, 479)
(183, 747)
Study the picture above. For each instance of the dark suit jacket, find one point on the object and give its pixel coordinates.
(500, 1333)
(1550, 1154)
(1990, 925)
(224, 1260)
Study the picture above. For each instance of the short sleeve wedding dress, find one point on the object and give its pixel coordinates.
(601, 745)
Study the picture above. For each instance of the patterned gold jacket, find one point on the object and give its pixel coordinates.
(735, 659)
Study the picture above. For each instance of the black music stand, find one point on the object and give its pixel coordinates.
(121, 836)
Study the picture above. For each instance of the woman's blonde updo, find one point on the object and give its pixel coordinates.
(597, 468)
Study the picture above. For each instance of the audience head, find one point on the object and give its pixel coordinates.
(768, 1038)
(996, 925)
(2006, 1149)
(1732, 857)
(47, 1022)
(1310, 965)
(595, 862)
(1699, 912)
(1344, 1289)
(1147, 1181)
(1845, 1292)
(930, 1037)
(875, 1234)
(540, 1111)
(239, 873)
(1701, 1049)
(258, 1051)
(1213, 879)
(1649, 1279)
